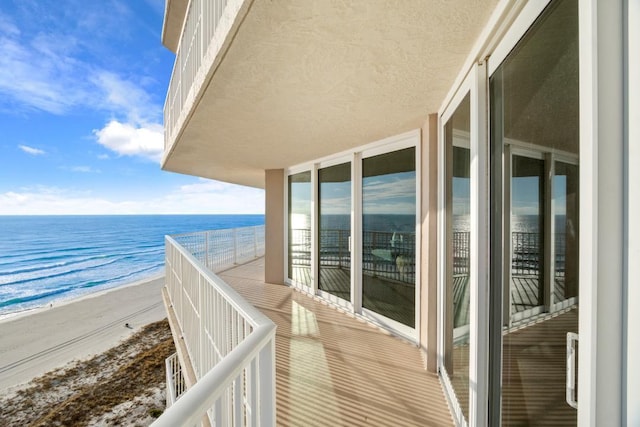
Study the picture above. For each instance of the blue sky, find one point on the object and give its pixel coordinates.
(82, 87)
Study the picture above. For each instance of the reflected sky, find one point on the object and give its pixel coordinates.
(300, 198)
(392, 194)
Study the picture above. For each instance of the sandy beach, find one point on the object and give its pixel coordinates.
(39, 341)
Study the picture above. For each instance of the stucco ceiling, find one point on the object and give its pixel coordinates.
(305, 79)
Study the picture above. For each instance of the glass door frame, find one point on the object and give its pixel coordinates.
(508, 24)
(474, 84)
(388, 145)
(499, 315)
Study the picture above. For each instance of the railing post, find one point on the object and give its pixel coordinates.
(206, 249)
(169, 374)
(181, 289)
(255, 242)
(267, 385)
(201, 326)
(201, 28)
(235, 245)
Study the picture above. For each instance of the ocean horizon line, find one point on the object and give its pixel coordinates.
(47, 258)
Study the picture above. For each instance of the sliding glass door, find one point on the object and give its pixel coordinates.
(534, 101)
(457, 286)
(334, 230)
(352, 231)
(389, 235)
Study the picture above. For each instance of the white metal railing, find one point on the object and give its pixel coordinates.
(176, 385)
(231, 345)
(207, 24)
(222, 249)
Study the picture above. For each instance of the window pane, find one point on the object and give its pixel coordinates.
(534, 115)
(458, 238)
(334, 193)
(527, 233)
(300, 228)
(565, 207)
(389, 235)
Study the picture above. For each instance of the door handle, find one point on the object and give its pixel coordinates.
(572, 340)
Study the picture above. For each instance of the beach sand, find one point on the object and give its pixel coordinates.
(42, 340)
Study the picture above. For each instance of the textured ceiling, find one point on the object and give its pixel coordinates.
(305, 79)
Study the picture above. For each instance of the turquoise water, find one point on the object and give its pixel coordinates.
(44, 259)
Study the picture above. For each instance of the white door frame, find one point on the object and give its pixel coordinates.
(474, 85)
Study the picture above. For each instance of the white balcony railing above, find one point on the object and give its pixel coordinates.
(231, 345)
(206, 27)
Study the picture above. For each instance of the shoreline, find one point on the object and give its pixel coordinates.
(36, 341)
(9, 316)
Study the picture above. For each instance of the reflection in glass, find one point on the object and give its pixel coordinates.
(458, 207)
(334, 194)
(565, 207)
(389, 235)
(534, 105)
(300, 228)
(527, 233)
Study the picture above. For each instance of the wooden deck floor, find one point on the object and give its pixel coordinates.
(334, 370)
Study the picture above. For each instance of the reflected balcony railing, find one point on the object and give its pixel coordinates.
(389, 255)
(381, 251)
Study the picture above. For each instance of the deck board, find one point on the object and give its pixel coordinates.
(335, 370)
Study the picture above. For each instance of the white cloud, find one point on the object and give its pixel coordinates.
(8, 27)
(129, 140)
(53, 69)
(84, 169)
(39, 77)
(125, 97)
(31, 150)
(393, 196)
(203, 197)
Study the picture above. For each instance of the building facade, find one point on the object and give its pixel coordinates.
(458, 173)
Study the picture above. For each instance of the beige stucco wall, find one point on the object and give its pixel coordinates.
(428, 262)
(274, 226)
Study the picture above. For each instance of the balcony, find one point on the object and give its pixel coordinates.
(330, 368)
(261, 85)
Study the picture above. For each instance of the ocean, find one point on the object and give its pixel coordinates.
(45, 259)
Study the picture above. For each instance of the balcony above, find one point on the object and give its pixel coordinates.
(175, 11)
(280, 83)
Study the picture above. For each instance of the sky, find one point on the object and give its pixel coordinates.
(82, 88)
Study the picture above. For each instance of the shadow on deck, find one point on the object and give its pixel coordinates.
(334, 370)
